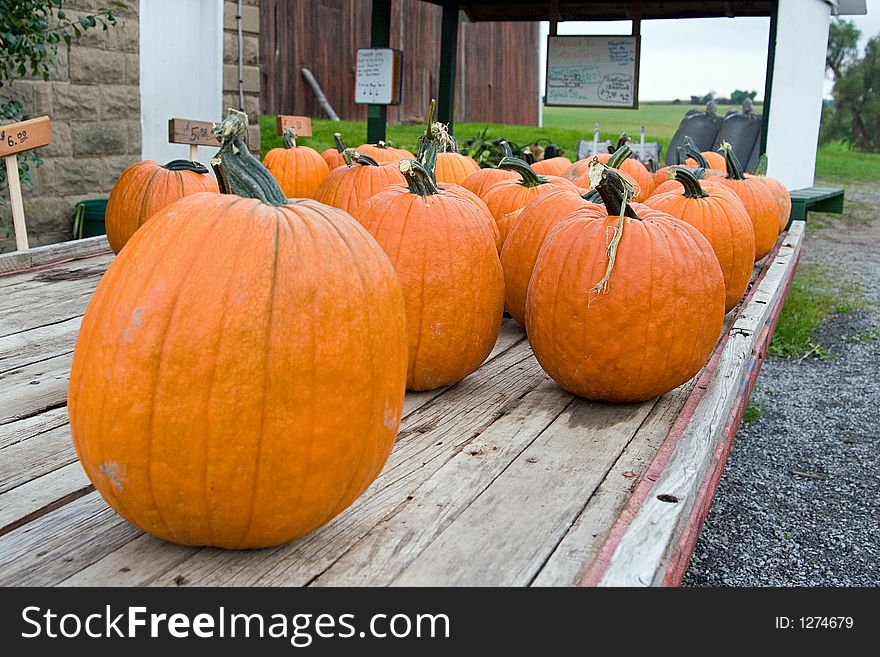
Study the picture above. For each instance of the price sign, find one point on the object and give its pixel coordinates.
(301, 124)
(378, 76)
(23, 136)
(194, 133)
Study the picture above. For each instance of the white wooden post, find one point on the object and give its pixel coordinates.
(12, 179)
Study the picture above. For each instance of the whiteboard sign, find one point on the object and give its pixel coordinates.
(377, 80)
(593, 71)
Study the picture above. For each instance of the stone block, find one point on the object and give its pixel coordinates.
(62, 142)
(94, 66)
(250, 18)
(22, 91)
(113, 168)
(132, 68)
(77, 175)
(120, 101)
(250, 76)
(250, 48)
(43, 103)
(47, 215)
(74, 101)
(125, 36)
(99, 138)
(135, 137)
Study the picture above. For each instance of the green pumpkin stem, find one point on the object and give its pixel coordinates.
(289, 138)
(619, 156)
(337, 140)
(238, 171)
(529, 177)
(185, 165)
(616, 194)
(692, 187)
(352, 156)
(692, 152)
(761, 170)
(680, 155)
(734, 168)
(506, 150)
(418, 178)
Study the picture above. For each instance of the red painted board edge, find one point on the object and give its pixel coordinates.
(600, 562)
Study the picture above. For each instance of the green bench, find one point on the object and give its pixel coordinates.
(819, 199)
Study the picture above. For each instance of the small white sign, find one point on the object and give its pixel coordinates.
(376, 81)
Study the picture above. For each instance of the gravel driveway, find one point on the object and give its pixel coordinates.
(799, 501)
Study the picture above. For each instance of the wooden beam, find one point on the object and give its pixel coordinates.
(380, 37)
(768, 79)
(448, 53)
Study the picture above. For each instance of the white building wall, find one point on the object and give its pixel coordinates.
(181, 71)
(796, 96)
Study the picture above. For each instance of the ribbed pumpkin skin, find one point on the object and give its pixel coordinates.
(783, 199)
(762, 208)
(480, 181)
(506, 196)
(635, 173)
(555, 166)
(715, 160)
(143, 189)
(385, 153)
(525, 238)
(465, 193)
(722, 219)
(333, 158)
(454, 167)
(675, 186)
(452, 281)
(299, 170)
(238, 380)
(654, 328)
(348, 186)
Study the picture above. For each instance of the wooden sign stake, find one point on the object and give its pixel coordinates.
(194, 152)
(17, 138)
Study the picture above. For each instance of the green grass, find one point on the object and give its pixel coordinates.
(753, 412)
(816, 293)
(564, 126)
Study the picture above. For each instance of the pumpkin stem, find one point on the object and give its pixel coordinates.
(337, 140)
(289, 138)
(436, 134)
(506, 150)
(239, 172)
(692, 187)
(692, 152)
(185, 165)
(761, 170)
(352, 156)
(614, 191)
(526, 172)
(418, 178)
(734, 168)
(680, 155)
(619, 156)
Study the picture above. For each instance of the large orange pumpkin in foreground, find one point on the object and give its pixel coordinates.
(348, 186)
(722, 219)
(298, 169)
(446, 259)
(238, 380)
(759, 201)
(527, 235)
(146, 187)
(624, 308)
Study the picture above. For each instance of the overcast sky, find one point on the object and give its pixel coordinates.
(701, 47)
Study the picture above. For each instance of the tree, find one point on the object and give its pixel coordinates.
(30, 33)
(843, 46)
(739, 96)
(856, 112)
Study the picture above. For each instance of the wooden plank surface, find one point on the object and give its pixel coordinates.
(502, 479)
(41, 256)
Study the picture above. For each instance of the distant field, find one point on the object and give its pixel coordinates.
(565, 126)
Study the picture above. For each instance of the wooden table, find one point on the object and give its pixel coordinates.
(503, 479)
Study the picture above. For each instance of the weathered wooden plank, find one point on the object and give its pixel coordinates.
(60, 543)
(386, 551)
(39, 496)
(16, 432)
(34, 388)
(428, 439)
(29, 459)
(39, 256)
(583, 540)
(507, 533)
(640, 556)
(39, 344)
(47, 309)
(46, 275)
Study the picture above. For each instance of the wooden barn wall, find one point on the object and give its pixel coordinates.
(497, 66)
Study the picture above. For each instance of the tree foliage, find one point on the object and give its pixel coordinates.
(843, 45)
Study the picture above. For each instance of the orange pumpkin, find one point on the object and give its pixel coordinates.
(758, 199)
(636, 172)
(298, 169)
(723, 220)
(262, 350)
(479, 181)
(384, 152)
(146, 187)
(333, 156)
(465, 193)
(448, 265)
(454, 167)
(624, 308)
(715, 162)
(779, 191)
(672, 185)
(525, 238)
(348, 186)
(660, 175)
(506, 196)
(554, 166)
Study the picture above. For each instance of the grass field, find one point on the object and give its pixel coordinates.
(565, 126)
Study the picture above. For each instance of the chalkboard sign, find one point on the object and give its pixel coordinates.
(378, 76)
(593, 71)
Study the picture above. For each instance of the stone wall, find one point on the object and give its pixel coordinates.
(250, 27)
(93, 99)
